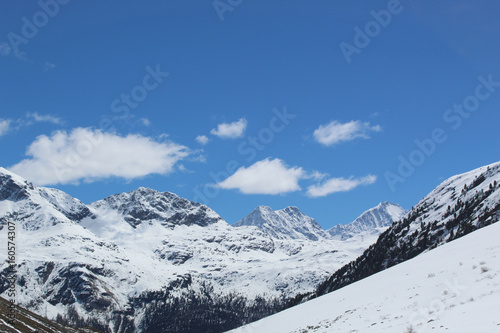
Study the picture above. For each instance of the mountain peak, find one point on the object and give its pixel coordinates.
(146, 204)
(13, 187)
(37, 207)
(372, 221)
(263, 208)
(291, 209)
(287, 223)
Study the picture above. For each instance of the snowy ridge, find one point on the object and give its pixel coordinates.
(454, 288)
(374, 220)
(287, 223)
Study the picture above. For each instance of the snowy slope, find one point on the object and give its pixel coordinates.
(112, 262)
(287, 223)
(373, 221)
(453, 288)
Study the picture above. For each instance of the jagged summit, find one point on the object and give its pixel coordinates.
(145, 204)
(374, 220)
(287, 223)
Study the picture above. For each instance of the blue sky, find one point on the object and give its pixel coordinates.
(331, 106)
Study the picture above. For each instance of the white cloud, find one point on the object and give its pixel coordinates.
(230, 130)
(336, 132)
(333, 185)
(202, 139)
(43, 118)
(4, 126)
(89, 155)
(145, 121)
(265, 177)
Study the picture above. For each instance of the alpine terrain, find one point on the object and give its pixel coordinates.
(149, 261)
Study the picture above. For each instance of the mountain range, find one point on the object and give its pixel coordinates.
(129, 262)
(149, 261)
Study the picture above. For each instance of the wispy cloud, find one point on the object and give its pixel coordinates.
(10, 125)
(265, 177)
(336, 132)
(334, 185)
(4, 126)
(35, 117)
(230, 130)
(86, 154)
(202, 139)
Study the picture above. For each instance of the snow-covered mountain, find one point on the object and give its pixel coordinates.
(453, 288)
(373, 221)
(130, 262)
(287, 223)
(145, 205)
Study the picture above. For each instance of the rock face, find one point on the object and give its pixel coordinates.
(374, 220)
(288, 223)
(146, 261)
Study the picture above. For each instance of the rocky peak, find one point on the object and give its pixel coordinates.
(287, 223)
(371, 221)
(145, 204)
